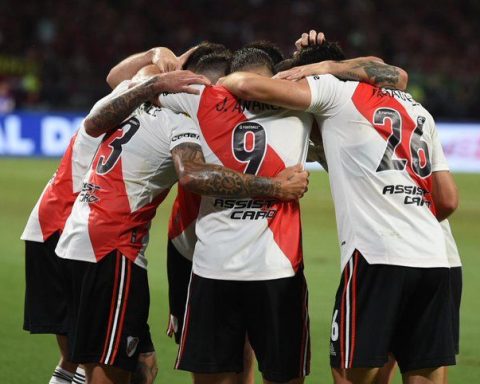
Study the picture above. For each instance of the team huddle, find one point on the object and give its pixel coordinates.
(234, 130)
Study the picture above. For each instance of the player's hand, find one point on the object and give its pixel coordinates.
(311, 38)
(165, 60)
(179, 81)
(182, 59)
(293, 183)
(298, 73)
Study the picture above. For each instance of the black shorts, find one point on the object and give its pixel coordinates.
(146, 344)
(45, 300)
(386, 308)
(108, 312)
(456, 292)
(272, 313)
(179, 269)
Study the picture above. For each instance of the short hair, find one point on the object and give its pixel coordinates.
(246, 58)
(284, 65)
(214, 65)
(203, 49)
(271, 49)
(316, 53)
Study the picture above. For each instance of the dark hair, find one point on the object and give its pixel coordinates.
(316, 53)
(214, 65)
(284, 65)
(203, 49)
(246, 58)
(271, 49)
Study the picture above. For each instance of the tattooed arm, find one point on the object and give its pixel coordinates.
(377, 73)
(214, 180)
(366, 69)
(110, 112)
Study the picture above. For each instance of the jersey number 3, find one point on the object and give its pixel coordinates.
(419, 164)
(106, 165)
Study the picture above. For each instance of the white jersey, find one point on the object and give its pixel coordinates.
(55, 203)
(452, 250)
(246, 239)
(130, 176)
(381, 148)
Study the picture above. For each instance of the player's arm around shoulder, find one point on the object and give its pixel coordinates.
(109, 113)
(371, 70)
(286, 94)
(215, 180)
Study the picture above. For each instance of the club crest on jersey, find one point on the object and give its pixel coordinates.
(132, 344)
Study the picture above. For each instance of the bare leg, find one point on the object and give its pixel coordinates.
(215, 378)
(146, 369)
(106, 374)
(425, 376)
(339, 376)
(386, 373)
(355, 375)
(64, 362)
(248, 374)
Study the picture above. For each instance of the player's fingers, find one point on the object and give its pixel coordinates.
(282, 75)
(191, 90)
(288, 73)
(298, 44)
(297, 167)
(294, 76)
(178, 66)
(184, 56)
(161, 66)
(320, 38)
(196, 80)
(312, 37)
(304, 42)
(188, 73)
(172, 65)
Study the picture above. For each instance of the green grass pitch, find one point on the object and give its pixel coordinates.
(30, 359)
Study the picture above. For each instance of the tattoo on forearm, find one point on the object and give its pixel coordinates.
(348, 75)
(108, 115)
(380, 73)
(215, 180)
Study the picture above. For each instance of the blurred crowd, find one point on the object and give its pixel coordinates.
(56, 54)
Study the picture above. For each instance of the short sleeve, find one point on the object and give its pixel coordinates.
(439, 162)
(182, 102)
(184, 130)
(328, 94)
